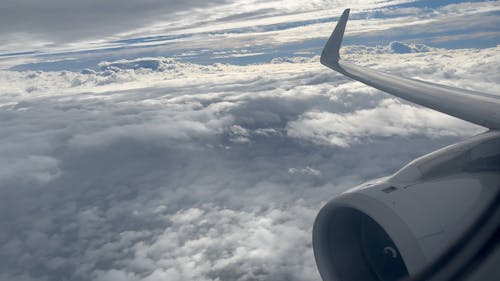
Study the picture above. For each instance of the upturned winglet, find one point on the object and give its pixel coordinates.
(330, 55)
(478, 108)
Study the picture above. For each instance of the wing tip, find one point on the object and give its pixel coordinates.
(330, 55)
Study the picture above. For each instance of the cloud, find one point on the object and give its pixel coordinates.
(389, 118)
(28, 24)
(236, 32)
(394, 47)
(154, 169)
(35, 168)
(213, 243)
(304, 171)
(69, 20)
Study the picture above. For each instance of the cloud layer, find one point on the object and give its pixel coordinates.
(155, 169)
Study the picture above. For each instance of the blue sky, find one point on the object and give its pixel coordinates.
(197, 140)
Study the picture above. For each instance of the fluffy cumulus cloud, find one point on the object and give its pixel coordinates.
(155, 169)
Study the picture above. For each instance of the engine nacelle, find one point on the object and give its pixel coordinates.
(394, 227)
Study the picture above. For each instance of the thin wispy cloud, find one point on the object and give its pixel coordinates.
(199, 32)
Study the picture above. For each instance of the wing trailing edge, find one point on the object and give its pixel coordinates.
(475, 107)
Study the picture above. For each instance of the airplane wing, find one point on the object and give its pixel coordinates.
(479, 108)
(419, 223)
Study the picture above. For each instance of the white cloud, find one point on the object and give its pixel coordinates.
(389, 118)
(225, 244)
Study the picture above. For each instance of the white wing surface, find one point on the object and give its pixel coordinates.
(479, 108)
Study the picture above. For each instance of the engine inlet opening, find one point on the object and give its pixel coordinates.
(360, 249)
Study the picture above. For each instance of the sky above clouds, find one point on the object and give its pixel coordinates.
(72, 35)
(196, 140)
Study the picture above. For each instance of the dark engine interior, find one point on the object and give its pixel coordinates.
(358, 248)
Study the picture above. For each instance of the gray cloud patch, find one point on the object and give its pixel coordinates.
(178, 171)
(63, 21)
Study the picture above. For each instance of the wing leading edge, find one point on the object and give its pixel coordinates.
(475, 107)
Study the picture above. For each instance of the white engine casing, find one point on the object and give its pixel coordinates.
(423, 208)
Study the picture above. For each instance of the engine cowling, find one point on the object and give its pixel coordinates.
(394, 227)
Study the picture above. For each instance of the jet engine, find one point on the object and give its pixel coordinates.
(394, 227)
